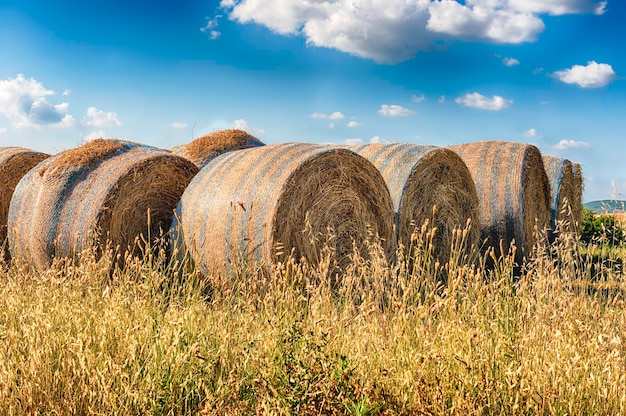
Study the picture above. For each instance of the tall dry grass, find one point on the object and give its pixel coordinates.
(153, 339)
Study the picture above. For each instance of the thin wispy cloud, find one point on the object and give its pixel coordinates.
(510, 61)
(337, 115)
(571, 144)
(393, 110)
(481, 102)
(211, 27)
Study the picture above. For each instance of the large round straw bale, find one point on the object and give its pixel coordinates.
(562, 191)
(421, 178)
(15, 162)
(259, 204)
(513, 192)
(577, 205)
(201, 150)
(105, 189)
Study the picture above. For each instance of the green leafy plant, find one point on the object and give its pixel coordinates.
(601, 229)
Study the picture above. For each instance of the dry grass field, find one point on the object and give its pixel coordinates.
(384, 340)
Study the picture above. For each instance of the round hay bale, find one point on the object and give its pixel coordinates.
(513, 193)
(562, 191)
(420, 178)
(201, 150)
(259, 204)
(15, 162)
(579, 187)
(106, 190)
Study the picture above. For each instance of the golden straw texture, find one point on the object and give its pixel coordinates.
(259, 204)
(513, 193)
(106, 189)
(15, 162)
(421, 178)
(562, 191)
(201, 150)
(577, 206)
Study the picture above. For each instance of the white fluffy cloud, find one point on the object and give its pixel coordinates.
(353, 124)
(99, 118)
(476, 100)
(593, 75)
(395, 30)
(532, 134)
(571, 144)
(179, 125)
(98, 134)
(337, 115)
(483, 23)
(24, 102)
(418, 98)
(3, 130)
(382, 30)
(242, 124)
(510, 61)
(394, 110)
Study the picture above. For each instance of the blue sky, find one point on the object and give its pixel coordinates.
(547, 72)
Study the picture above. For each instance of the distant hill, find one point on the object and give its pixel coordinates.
(606, 206)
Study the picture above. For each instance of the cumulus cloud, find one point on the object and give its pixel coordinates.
(532, 133)
(99, 118)
(394, 110)
(242, 124)
(353, 124)
(442, 99)
(571, 144)
(418, 98)
(499, 25)
(385, 31)
(593, 75)
(476, 100)
(337, 115)
(179, 125)
(510, 61)
(392, 31)
(24, 102)
(65, 93)
(97, 134)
